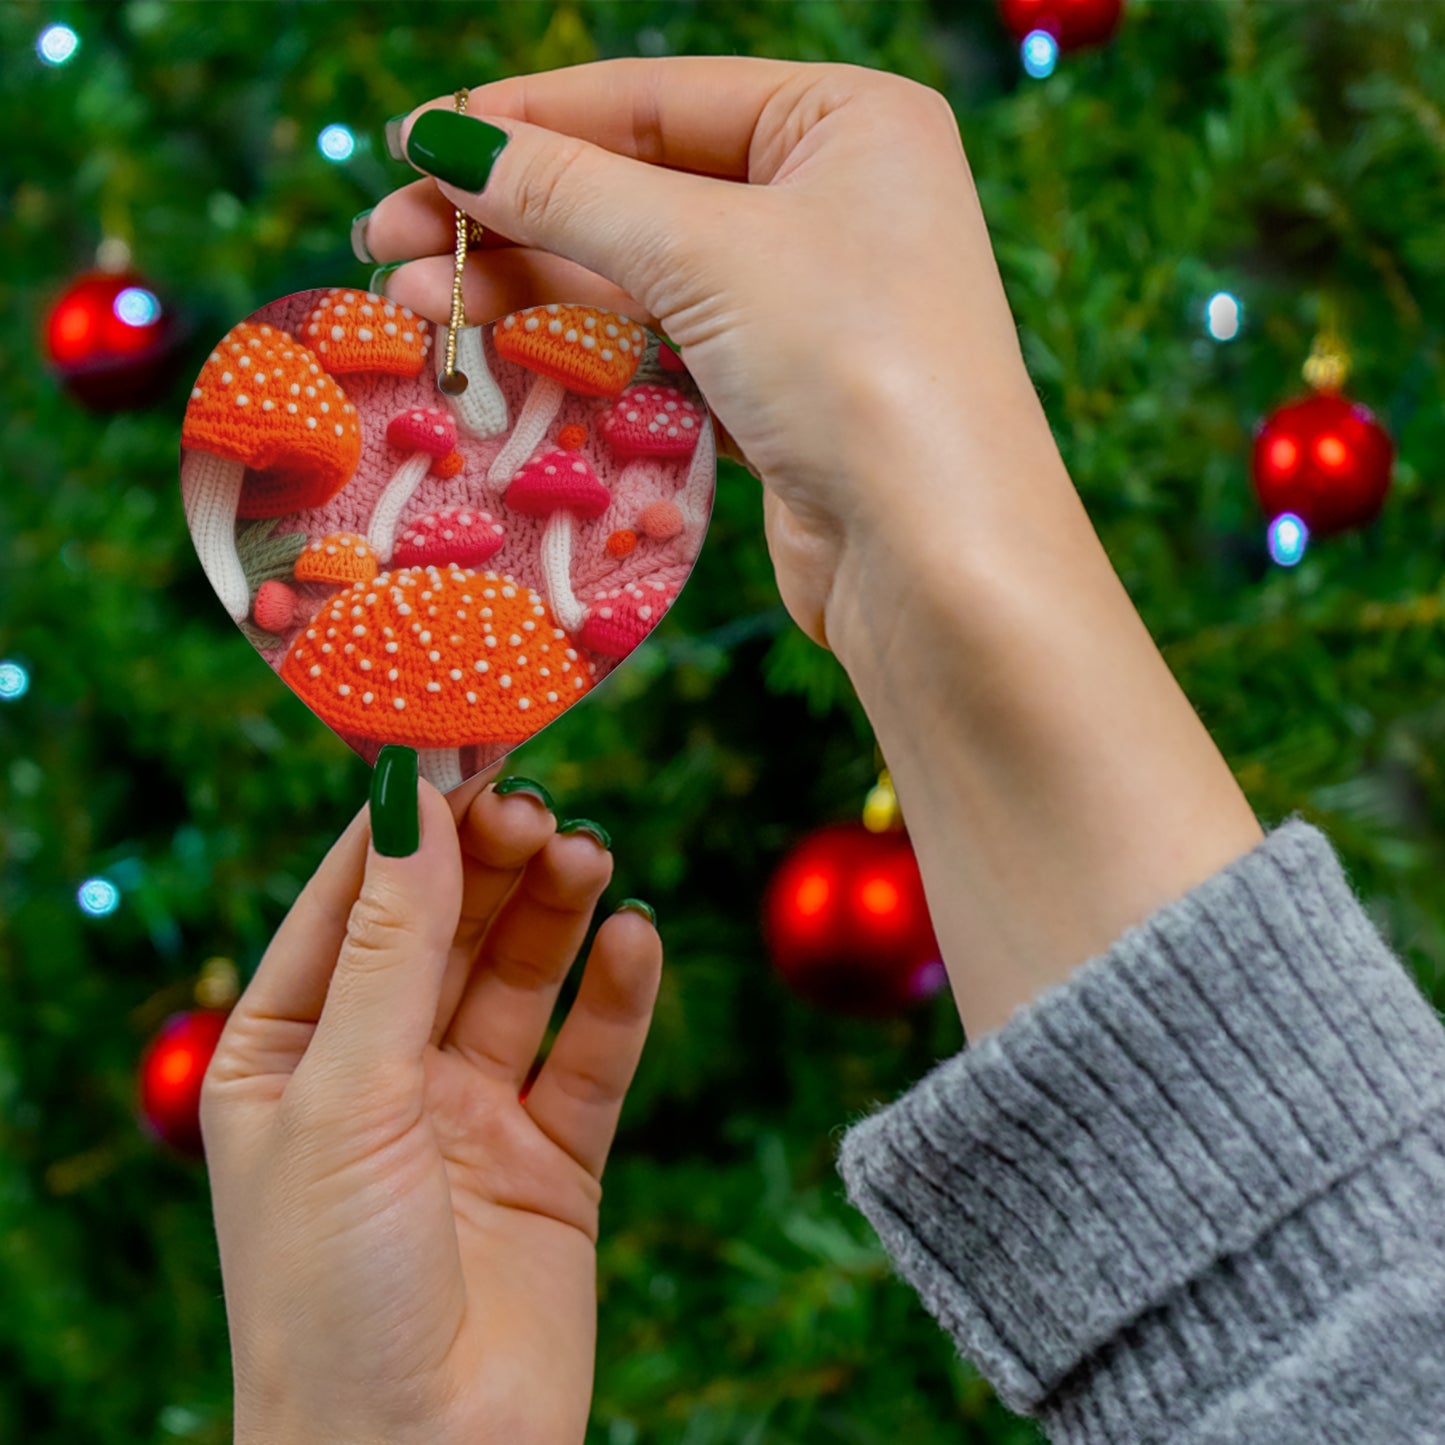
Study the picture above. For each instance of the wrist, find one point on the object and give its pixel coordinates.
(1056, 783)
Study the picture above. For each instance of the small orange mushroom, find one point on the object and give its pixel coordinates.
(337, 559)
(621, 543)
(569, 347)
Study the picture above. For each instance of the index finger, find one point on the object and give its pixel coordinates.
(695, 113)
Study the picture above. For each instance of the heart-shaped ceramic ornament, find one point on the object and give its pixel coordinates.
(448, 572)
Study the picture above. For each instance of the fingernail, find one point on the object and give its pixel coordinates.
(395, 827)
(636, 905)
(359, 248)
(526, 785)
(393, 137)
(455, 148)
(586, 825)
(377, 284)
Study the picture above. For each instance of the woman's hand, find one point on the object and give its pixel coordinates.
(840, 310)
(407, 1248)
(811, 238)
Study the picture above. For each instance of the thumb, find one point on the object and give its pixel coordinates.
(628, 221)
(382, 999)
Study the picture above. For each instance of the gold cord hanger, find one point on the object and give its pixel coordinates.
(452, 381)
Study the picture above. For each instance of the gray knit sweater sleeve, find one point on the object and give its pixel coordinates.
(1196, 1192)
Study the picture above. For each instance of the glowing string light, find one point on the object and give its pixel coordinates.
(57, 44)
(98, 897)
(14, 681)
(336, 143)
(136, 306)
(1288, 538)
(1223, 316)
(1040, 54)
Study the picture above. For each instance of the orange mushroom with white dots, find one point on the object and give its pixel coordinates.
(354, 330)
(570, 348)
(437, 658)
(337, 559)
(266, 432)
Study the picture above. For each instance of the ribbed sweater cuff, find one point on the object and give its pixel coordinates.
(1139, 1168)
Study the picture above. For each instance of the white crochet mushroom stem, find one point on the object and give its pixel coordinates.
(697, 487)
(541, 405)
(480, 410)
(392, 502)
(441, 767)
(211, 492)
(557, 571)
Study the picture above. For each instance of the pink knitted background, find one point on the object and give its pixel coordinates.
(379, 397)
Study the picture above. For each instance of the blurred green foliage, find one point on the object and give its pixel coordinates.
(1285, 153)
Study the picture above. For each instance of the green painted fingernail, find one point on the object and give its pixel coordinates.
(586, 825)
(636, 905)
(393, 137)
(526, 785)
(377, 284)
(359, 248)
(395, 825)
(455, 148)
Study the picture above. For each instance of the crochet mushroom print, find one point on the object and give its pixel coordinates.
(267, 432)
(437, 658)
(444, 570)
(562, 487)
(426, 435)
(361, 331)
(479, 407)
(570, 348)
(660, 423)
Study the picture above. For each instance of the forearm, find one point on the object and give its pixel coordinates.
(1057, 784)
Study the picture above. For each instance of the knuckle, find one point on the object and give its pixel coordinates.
(375, 933)
(546, 180)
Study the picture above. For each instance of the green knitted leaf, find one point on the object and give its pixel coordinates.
(258, 637)
(265, 558)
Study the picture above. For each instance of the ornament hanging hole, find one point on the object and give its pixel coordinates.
(452, 383)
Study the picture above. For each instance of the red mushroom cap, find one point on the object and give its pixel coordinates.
(423, 429)
(620, 618)
(557, 479)
(652, 421)
(459, 538)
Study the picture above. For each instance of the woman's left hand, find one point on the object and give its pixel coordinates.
(407, 1246)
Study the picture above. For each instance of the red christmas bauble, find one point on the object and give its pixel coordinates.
(847, 923)
(111, 341)
(1073, 23)
(171, 1071)
(1324, 458)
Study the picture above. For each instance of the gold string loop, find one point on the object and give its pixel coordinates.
(452, 381)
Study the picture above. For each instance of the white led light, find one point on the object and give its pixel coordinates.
(14, 681)
(57, 44)
(136, 306)
(1040, 54)
(98, 897)
(336, 143)
(1223, 316)
(1288, 538)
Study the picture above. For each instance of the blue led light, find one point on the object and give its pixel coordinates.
(1223, 316)
(1288, 538)
(14, 681)
(57, 44)
(98, 897)
(336, 143)
(136, 306)
(1040, 52)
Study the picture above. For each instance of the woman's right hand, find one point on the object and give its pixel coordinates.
(841, 310)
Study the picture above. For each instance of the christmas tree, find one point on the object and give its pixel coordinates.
(164, 797)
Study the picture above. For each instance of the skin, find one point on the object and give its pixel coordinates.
(407, 1252)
